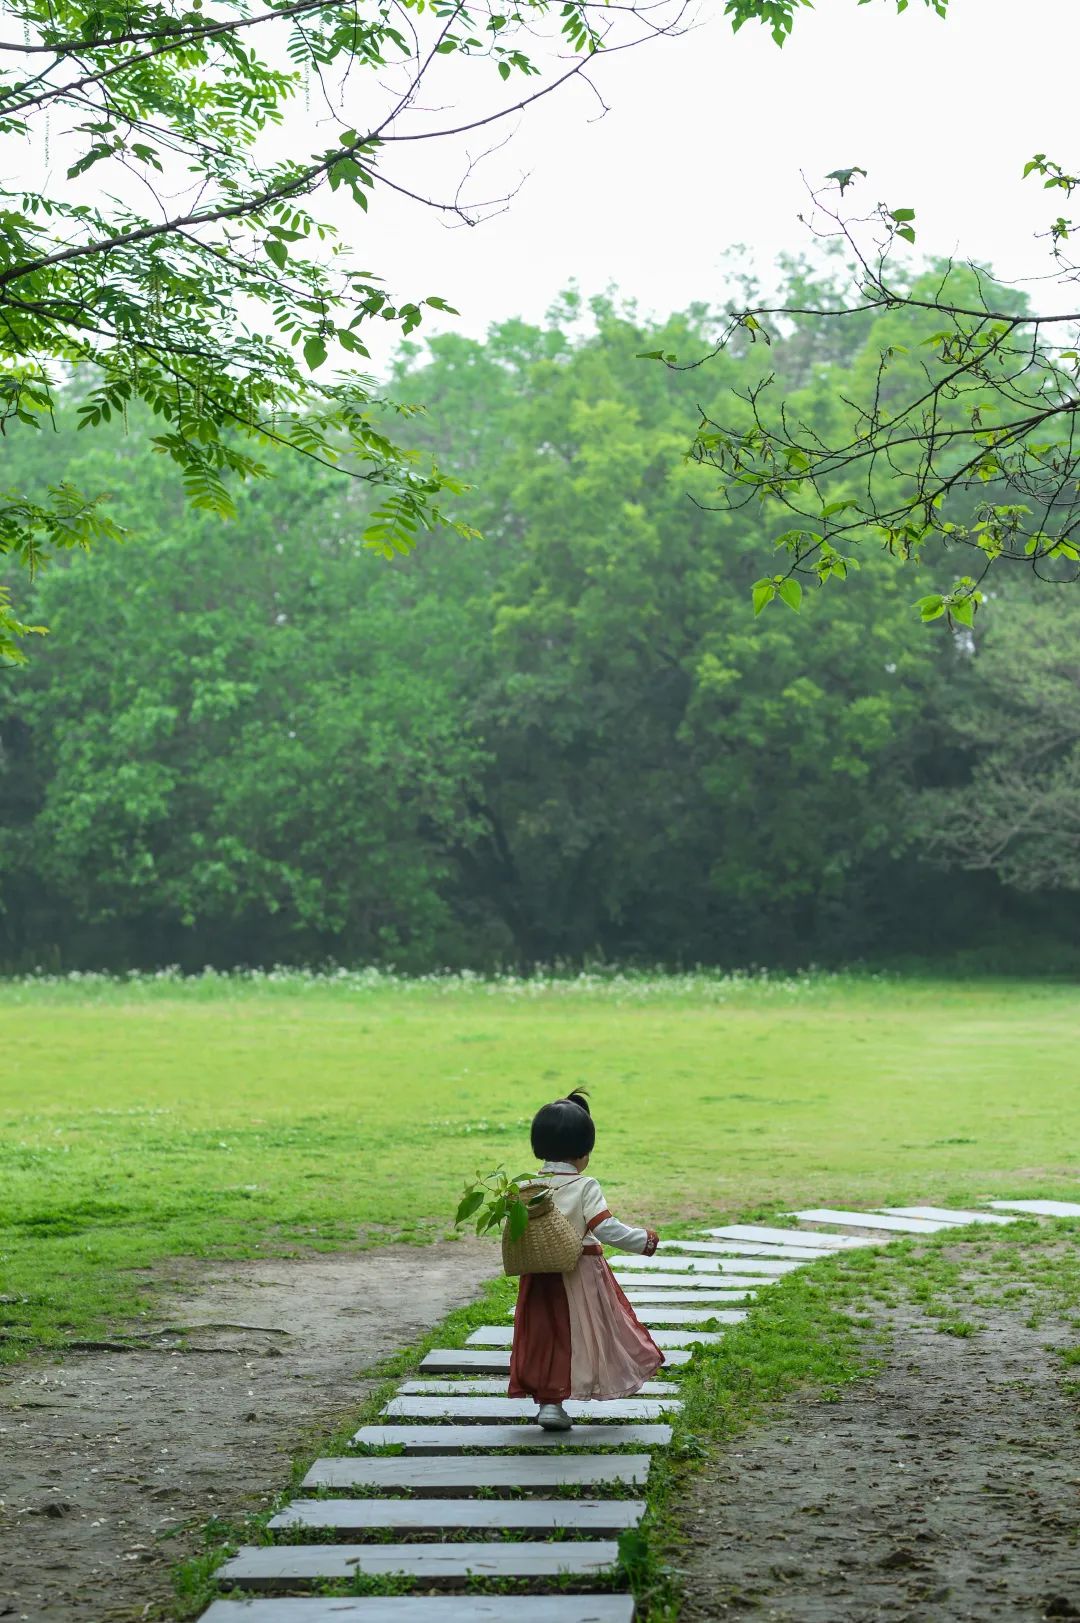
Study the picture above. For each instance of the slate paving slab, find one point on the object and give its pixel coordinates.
(479, 1388)
(451, 1439)
(722, 1248)
(1039, 1208)
(487, 1409)
(403, 1516)
(496, 1360)
(701, 1296)
(946, 1214)
(720, 1290)
(494, 1335)
(754, 1267)
(682, 1281)
(466, 1474)
(799, 1237)
(659, 1314)
(422, 1609)
(274, 1566)
(872, 1220)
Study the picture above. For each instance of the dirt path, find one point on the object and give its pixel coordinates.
(109, 1453)
(947, 1489)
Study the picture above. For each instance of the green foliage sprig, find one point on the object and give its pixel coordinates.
(494, 1198)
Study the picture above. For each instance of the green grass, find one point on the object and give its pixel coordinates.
(154, 1117)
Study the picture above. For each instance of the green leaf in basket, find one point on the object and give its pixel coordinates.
(519, 1220)
(471, 1203)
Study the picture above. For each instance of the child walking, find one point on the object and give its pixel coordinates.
(575, 1334)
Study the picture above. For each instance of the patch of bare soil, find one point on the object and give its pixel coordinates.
(945, 1489)
(112, 1460)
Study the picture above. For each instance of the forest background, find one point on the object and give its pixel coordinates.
(569, 740)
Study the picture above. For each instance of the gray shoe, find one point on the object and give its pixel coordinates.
(553, 1417)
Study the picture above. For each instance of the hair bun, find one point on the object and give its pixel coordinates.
(580, 1098)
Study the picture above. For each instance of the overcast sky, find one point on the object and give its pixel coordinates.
(707, 134)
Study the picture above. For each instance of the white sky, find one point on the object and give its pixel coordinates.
(705, 140)
(702, 150)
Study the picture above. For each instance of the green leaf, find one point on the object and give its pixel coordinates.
(906, 232)
(963, 611)
(844, 177)
(763, 592)
(471, 1203)
(931, 607)
(519, 1219)
(315, 352)
(900, 215)
(278, 252)
(791, 593)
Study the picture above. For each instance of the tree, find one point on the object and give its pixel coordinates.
(569, 738)
(1014, 731)
(198, 278)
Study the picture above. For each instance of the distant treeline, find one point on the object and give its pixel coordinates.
(254, 742)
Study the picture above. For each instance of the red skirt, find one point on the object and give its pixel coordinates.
(576, 1336)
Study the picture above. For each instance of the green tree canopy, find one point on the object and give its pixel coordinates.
(567, 739)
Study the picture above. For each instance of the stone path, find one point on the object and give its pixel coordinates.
(468, 1461)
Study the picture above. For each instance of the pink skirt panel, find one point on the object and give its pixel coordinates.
(612, 1354)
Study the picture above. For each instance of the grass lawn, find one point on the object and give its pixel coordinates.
(156, 1118)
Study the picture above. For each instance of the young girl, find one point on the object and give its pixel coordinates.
(576, 1335)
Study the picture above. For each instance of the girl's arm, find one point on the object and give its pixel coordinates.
(608, 1230)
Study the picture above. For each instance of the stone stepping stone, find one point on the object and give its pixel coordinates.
(755, 1267)
(662, 1314)
(428, 1474)
(798, 1237)
(683, 1281)
(422, 1609)
(493, 1335)
(489, 1410)
(493, 1361)
(873, 1220)
(447, 1439)
(737, 1248)
(641, 1290)
(497, 1389)
(785, 1253)
(675, 1298)
(1039, 1208)
(278, 1566)
(603, 1516)
(659, 1315)
(945, 1214)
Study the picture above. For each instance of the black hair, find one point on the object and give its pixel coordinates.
(563, 1131)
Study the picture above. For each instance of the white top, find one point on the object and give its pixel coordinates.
(581, 1199)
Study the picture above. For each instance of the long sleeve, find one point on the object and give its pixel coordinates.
(609, 1230)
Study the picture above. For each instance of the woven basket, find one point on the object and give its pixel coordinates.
(550, 1245)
